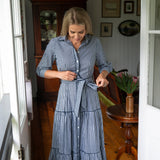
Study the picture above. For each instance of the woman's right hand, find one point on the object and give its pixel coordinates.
(67, 75)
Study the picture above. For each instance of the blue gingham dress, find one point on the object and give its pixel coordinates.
(78, 125)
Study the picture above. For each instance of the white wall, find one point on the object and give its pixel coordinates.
(122, 51)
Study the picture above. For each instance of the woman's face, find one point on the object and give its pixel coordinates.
(76, 33)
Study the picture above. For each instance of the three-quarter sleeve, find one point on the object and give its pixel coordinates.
(100, 58)
(47, 59)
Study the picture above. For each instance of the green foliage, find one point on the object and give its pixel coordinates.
(126, 82)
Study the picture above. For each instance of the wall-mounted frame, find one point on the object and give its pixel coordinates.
(111, 8)
(128, 6)
(106, 29)
(138, 7)
(129, 28)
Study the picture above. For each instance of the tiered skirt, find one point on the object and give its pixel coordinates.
(77, 137)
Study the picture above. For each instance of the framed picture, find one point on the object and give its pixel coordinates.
(128, 6)
(111, 8)
(106, 29)
(138, 7)
(129, 28)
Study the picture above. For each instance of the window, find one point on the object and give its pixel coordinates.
(12, 78)
(19, 57)
(154, 56)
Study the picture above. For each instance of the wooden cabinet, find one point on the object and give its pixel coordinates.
(47, 19)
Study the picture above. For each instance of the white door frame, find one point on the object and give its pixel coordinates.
(149, 116)
(13, 75)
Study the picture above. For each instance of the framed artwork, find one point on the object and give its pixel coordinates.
(106, 29)
(128, 6)
(129, 28)
(111, 8)
(138, 7)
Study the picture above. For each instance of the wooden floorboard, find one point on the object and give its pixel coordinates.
(41, 132)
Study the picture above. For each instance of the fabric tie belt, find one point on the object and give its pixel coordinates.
(80, 88)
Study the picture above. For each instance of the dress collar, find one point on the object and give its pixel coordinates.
(87, 38)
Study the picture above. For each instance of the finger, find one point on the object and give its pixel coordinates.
(105, 83)
(72, 73)
(71, 77)
(99, 83)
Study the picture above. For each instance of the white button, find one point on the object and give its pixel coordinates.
(77, 61)
(78, 127)
(77, 70)
(78, 136)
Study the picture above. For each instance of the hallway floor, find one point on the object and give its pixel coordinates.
(41, 132)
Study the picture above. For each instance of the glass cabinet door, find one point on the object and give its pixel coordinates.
(48, 26)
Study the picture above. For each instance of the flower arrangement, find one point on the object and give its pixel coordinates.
(126, 82)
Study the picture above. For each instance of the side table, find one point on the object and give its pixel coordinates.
(118, 113)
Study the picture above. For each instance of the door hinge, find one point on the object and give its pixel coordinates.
(21, 153)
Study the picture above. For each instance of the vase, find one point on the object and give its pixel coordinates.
(129, 103)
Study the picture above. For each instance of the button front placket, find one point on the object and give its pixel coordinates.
(78, 136)
(78, 118)
(77, 61)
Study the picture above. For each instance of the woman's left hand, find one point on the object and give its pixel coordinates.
(101, 80)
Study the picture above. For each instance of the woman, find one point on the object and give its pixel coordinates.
(78, 126)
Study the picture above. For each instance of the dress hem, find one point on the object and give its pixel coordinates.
(81, 155)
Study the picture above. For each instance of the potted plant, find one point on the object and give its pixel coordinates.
(128, 84)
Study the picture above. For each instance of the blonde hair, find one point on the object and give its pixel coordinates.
(76, 16)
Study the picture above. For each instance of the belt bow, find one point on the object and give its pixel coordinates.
(80, 88)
